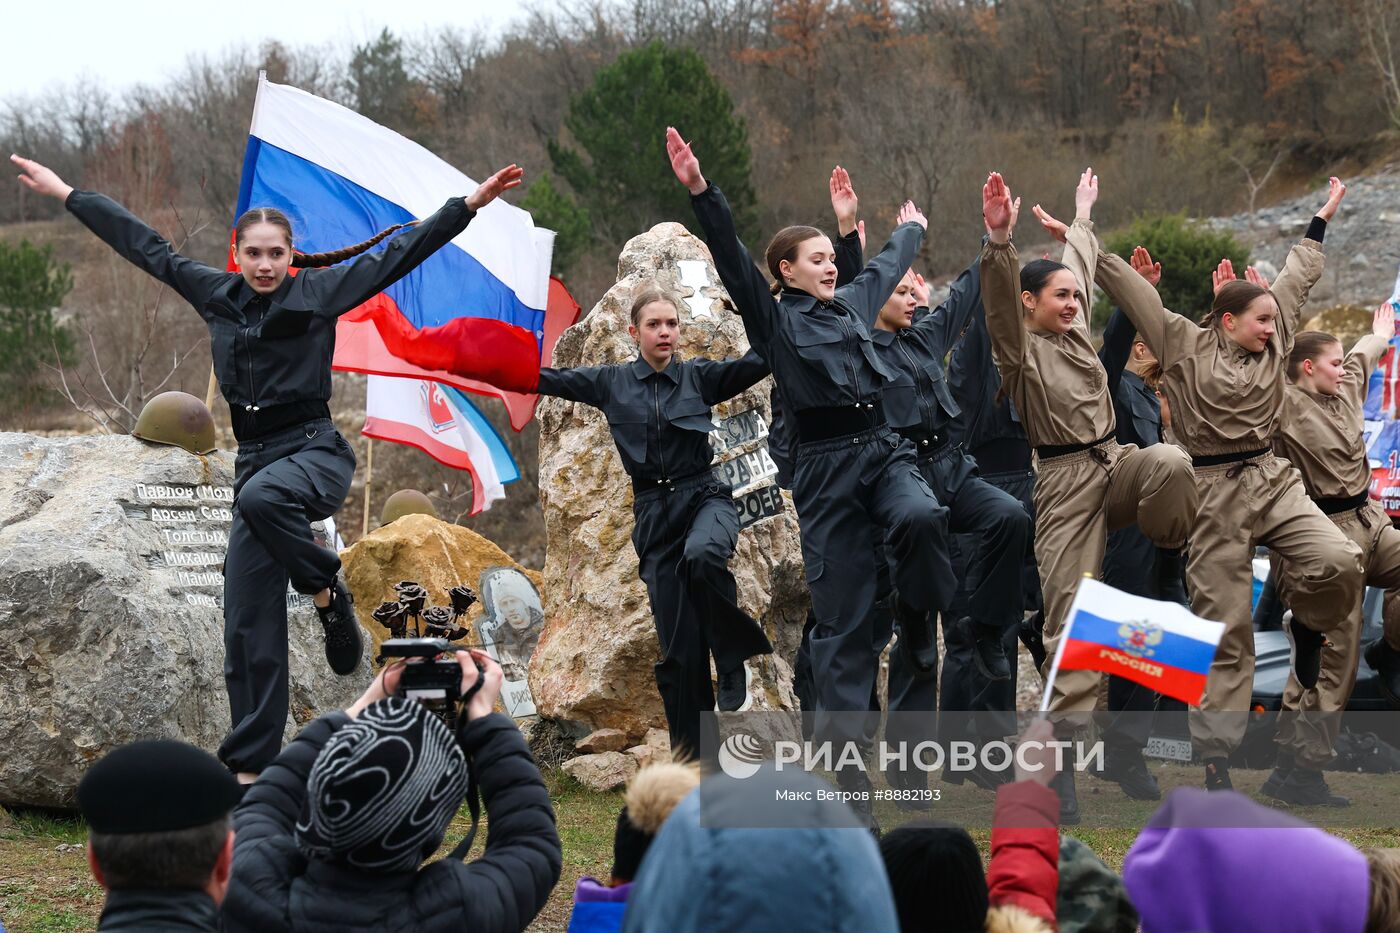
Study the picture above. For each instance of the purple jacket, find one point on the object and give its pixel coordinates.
(597, 907)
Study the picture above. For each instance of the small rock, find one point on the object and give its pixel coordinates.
(602, 772)
(602, 740)
(645, 755)
(660, 740)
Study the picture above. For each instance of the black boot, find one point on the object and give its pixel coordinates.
(733, 695)
(1063, 785)
(1385, 661)
(856, 782)
(1032, 635)
(1126, 767)
(1282, 768)
(343, 646)
(988, 650)
(987, 779)
(917, 637)
(1169, 573)
(913, 782)
(1218, 774)
(1307, 652)
(1306, 787)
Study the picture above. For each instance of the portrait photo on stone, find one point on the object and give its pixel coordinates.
(509, 629)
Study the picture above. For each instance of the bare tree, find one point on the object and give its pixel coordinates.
(1380, 32)
(1256, 184)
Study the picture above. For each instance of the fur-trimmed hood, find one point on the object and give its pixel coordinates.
(655, 790)
(1008, 918)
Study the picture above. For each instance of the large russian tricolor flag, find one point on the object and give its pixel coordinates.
(341, 178)
(443, 423)
(1160, 645)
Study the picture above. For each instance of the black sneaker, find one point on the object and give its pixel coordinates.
(1306, 787)
(1063, 785)
(343, 646)
(1126, 767)
(917, 638)
(1032, 635)
(1282, 768)
(1307, 653)
(1385, 661)
(1218, 774)
(988, 651)
(734, 690)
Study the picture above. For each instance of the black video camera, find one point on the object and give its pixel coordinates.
(436, 680)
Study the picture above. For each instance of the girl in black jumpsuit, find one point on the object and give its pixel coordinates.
(853, 474)
(685, 521)
(273, 337)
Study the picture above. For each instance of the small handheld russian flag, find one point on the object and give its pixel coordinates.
(1160, 645)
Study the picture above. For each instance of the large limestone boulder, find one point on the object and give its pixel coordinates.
(433, 553)
(594, 663)
(111, 627)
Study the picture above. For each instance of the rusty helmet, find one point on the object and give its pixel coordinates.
(178, 419)
(406, 502)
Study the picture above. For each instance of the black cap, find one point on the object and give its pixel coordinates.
(156, 786)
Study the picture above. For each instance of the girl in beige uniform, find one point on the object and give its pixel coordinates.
(1224, 380)
(1321, 435)
(1086, 482)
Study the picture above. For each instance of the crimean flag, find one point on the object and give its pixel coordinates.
(1160, 645)
(341, 178)
(443, 423)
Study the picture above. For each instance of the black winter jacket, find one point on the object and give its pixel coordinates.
(150, 911)
(272, 354)
(275, 887)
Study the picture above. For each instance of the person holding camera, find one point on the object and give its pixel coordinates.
(334, 834)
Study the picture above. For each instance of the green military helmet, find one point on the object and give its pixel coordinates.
(178, 419)
(406, 502)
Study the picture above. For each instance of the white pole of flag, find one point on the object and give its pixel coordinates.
(1059, 653)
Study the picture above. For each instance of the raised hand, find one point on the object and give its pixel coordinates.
(1253, 275)
(908, 212)
(1335, 192)
(1142, 264)
(1225, 272)
(920, 291)
(860, 232)
(40, 178)
(998, 208)
(843, 200)
(1086, 194)
(1056, 228)
(492, 188)
(683, 162)
(1383, 322)
(1038, 755)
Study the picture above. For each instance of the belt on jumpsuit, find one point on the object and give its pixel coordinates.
(826, 423)
(1338, 506)
(640, 485)
(1046, 451)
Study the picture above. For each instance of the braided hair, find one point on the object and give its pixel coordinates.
(271, 215)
